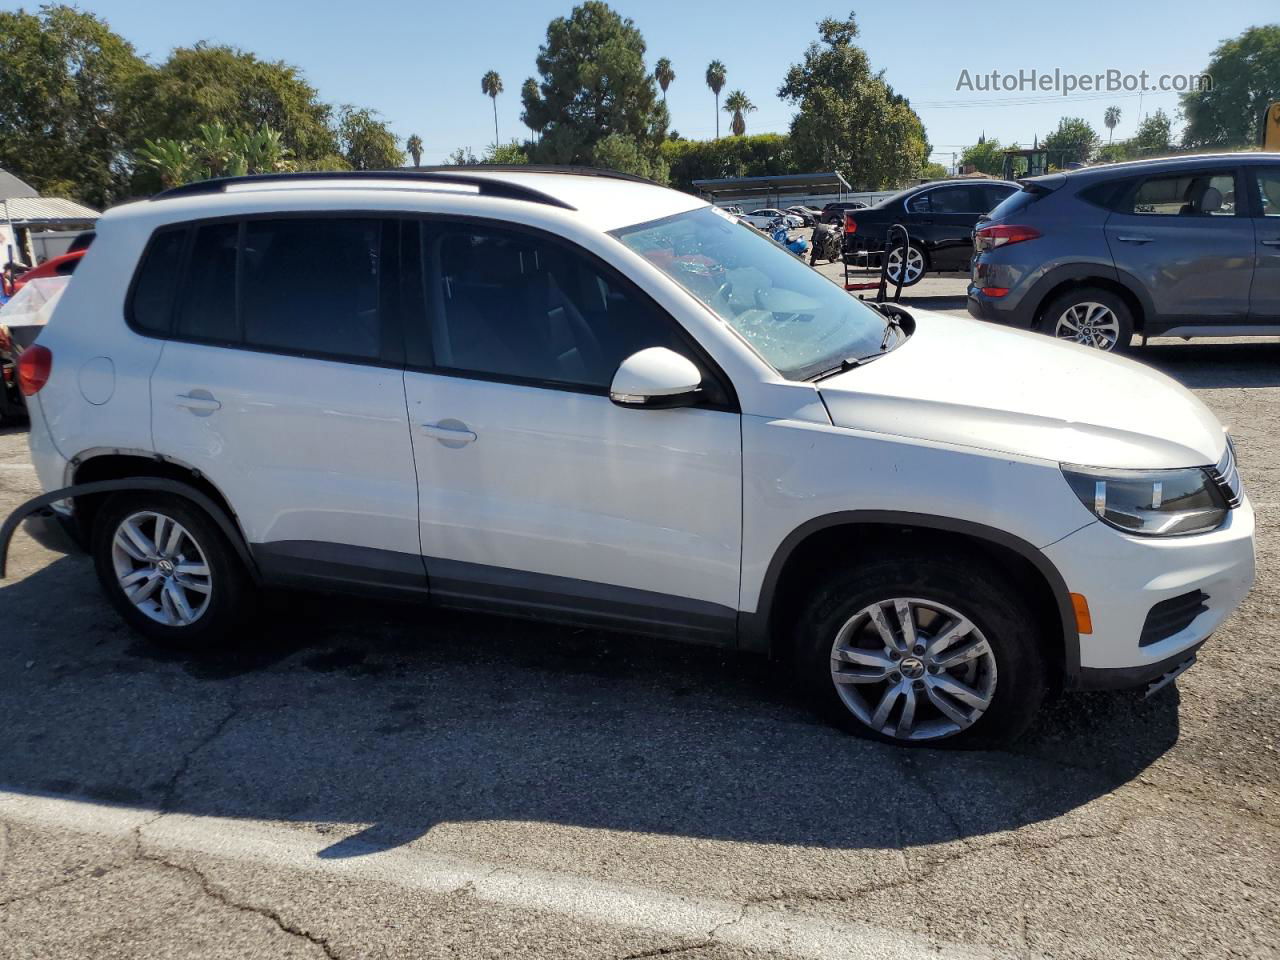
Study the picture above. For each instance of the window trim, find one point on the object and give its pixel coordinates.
(391, 350)
(1125, 200)
(612, 275)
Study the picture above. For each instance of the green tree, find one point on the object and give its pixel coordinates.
(491, 86)
(414, 146)
(715, 80)
(462, 157)
(366, 142)
(171, 159)
(594, 88)
(985, 157)
(850, 119)
(663, 73)
(1073, 142)
(219, 84)
(215, 153)
(1110, 119)
(739, 105)
(1154, 136)
(528, 93)
(933, 171)
(761, 155)
(1246, 77)
(64, 123)
(506, 153)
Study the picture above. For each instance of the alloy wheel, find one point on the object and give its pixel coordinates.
(161, 568)
(1090, 323)
(915, 264)
(913, 669)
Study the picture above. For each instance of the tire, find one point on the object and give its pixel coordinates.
(217, 612)
(1091, 305)
(914, 254)
(1006, 668)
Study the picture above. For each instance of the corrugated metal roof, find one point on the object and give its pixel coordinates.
(11, 186)
(45, 210)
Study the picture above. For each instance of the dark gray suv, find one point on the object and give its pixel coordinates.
(1184, 247)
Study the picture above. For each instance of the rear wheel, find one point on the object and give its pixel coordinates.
(169, 571)
(1090, 316)
(923, 652)
(916, 265)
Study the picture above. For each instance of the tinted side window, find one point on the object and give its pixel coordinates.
(151, 306)
(919, 203)
(1269, 191)
(207, 308)
(1198, 195)
(311, 285)
(513, 305)
(958, 200)
(993, 196)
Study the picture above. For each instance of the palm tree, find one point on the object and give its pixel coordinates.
(715, 80)
(664, 75)
(529, 94)
(1111, 118)
(414, 146)
(738, 104)
(491, 86)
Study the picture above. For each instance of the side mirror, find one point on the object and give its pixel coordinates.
(656, 378)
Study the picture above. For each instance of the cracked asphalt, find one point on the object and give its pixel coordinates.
(359, 780)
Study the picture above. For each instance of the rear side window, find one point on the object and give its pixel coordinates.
(311, 286)
(152, 305)
(207, 299)
(1015, 203)
(1202, 194)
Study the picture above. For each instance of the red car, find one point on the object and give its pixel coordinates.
(61, 266)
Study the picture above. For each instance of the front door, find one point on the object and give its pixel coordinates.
(535, 490)
(1184, 238)
(282, 383)
(1264, 297)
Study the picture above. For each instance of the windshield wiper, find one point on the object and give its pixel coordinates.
(891, 323)
(847, 364)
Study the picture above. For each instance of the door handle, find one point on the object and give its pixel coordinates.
(1136, 239)
(196, 403)
(1270, 243)
(452, 433)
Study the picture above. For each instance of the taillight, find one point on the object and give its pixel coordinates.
(850, 224)
(34, 366)
(1001, 235)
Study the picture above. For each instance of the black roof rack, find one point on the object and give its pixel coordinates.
(487, 186)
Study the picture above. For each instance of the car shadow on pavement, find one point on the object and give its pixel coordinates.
(1239, 363)
(404, 717)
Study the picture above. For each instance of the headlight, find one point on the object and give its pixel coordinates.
(1152, 503)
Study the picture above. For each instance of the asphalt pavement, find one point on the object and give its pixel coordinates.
(357, 780)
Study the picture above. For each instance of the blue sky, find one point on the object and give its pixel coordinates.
(419, 63)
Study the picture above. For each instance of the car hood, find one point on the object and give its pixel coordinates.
(966, 382)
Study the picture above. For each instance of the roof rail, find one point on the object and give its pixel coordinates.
(567, 169)
(487, 186)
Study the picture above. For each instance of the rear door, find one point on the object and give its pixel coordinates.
(1264, 296)
(1184, 238)
(953, 211)
(281, 381)
(536, 489)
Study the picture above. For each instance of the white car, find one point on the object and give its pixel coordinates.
(762, 218)
(595, 400)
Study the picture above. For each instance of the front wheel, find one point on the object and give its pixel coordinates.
(922, 652)
(169, 571)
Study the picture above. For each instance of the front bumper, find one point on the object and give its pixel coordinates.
(1123, 577)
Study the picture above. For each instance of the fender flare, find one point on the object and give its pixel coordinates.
(1067, 272)
(754, 633)
(158, 484)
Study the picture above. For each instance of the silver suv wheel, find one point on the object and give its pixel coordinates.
(161, 568)
(915, 265)
(913, 669)
(1091, 323)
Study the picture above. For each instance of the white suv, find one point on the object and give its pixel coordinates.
(586, 398)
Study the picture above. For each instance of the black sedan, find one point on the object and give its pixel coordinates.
(939, 218)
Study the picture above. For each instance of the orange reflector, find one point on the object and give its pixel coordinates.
(995, 291)
(1084, 623)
